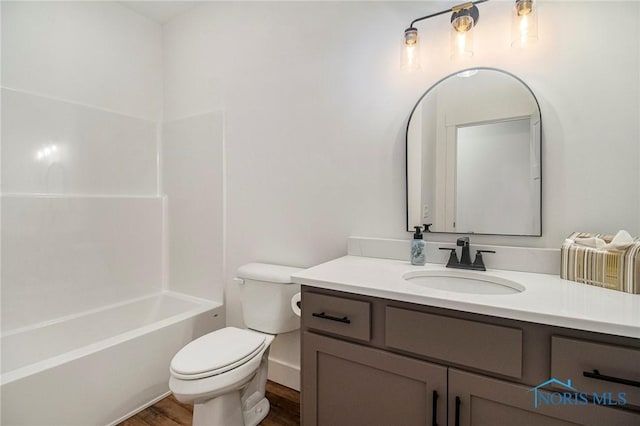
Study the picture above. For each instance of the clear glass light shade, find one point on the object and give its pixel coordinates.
(524, 23)
(462, 37)
(410, 60)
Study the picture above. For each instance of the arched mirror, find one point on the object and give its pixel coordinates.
(473, 156)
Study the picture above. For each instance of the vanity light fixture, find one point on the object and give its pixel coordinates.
(463, 19)
(524, 23)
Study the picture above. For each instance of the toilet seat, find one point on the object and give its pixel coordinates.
(198, 390)
(216, 353)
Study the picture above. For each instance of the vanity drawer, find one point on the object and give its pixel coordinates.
(337, 315)
(618, 367)
(478, 345)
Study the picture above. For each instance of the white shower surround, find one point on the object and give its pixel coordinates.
(90, 313)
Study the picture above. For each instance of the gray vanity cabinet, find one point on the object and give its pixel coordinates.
(351, 384)
(476, 400)
(370, 361)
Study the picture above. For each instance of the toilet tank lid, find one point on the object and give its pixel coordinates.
(267, 272)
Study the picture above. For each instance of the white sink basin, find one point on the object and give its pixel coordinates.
(463, 282)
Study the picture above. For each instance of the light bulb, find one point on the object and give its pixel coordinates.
(524, 23)
(461, 44)
(523, 7)
(410, 60)
(462, 23)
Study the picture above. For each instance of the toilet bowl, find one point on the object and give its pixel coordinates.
(224, 373)
(232, 371)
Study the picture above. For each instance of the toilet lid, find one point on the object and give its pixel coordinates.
(216, 352)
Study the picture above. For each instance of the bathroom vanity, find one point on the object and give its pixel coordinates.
(380, 348)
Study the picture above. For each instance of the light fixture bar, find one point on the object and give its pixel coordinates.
(463, 6)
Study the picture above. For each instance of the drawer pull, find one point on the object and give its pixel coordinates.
(596, 375)
(434, 409)
(457, 419)
(332, 318)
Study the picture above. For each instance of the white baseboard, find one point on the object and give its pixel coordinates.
(285, 374)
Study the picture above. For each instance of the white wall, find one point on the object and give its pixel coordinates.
(81, 225)
(317, 106)
(100, 55)
(638, 112)
(192, 180)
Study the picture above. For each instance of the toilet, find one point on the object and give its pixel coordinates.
(224, 373)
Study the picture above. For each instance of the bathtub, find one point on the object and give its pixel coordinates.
(102, 366)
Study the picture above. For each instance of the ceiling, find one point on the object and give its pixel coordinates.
(160, 11)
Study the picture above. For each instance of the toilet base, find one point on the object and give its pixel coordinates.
(220, 411)
(257, 413)
(245, 406)
(227, 409)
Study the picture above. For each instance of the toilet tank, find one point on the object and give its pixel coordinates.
(265, 292)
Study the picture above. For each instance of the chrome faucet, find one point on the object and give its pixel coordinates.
(465, 257)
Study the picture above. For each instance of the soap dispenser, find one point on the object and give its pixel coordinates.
(418, 245)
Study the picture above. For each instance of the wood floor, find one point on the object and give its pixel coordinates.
(285, 410)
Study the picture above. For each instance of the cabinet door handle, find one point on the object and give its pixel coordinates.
(332, 318)
(596, 375)
(434, 409)
(457, 418)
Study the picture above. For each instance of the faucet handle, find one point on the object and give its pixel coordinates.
(484, 251)
(453, 257)
(479, 262)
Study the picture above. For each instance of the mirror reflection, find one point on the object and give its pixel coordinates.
(473, 156)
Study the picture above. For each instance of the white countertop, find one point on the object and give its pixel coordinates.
(547, 299)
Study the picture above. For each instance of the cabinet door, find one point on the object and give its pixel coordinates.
(345, 384)
(476, 400)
